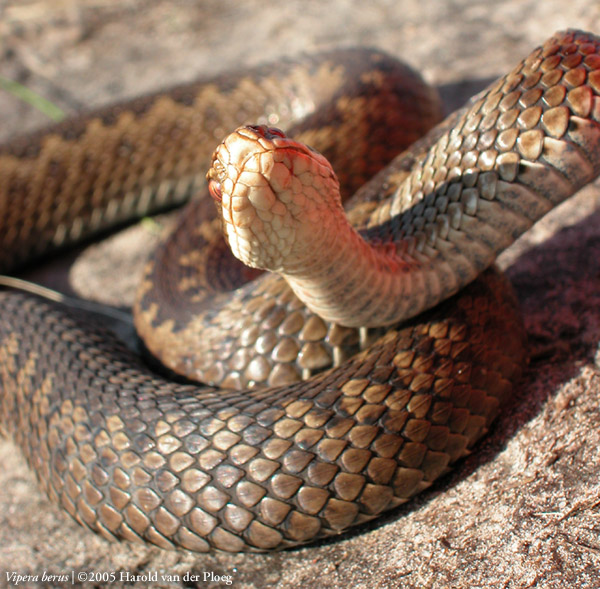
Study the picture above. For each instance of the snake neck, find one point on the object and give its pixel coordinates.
(338, 279)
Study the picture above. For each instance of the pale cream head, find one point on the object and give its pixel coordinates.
(278, 197)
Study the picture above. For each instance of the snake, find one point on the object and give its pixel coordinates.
(338, 382)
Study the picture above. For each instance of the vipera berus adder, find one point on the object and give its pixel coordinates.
(134, 455)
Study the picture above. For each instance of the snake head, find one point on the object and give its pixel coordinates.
(275, 195)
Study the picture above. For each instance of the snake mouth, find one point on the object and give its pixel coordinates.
(214, 178)
(214, 188)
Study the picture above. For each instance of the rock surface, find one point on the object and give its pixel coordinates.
(524, 509)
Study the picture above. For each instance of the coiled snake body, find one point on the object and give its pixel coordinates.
(134, 455)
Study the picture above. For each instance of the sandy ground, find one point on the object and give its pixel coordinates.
(523, 510)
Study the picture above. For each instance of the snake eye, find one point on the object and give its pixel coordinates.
(214, 188)
(267, 132)
(275, 132)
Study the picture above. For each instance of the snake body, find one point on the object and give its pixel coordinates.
(133, 455)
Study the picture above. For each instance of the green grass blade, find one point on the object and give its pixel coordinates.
(30, 97)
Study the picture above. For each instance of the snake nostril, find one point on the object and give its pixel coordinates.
(214, 187)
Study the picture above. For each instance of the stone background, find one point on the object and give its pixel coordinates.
(523, 510)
